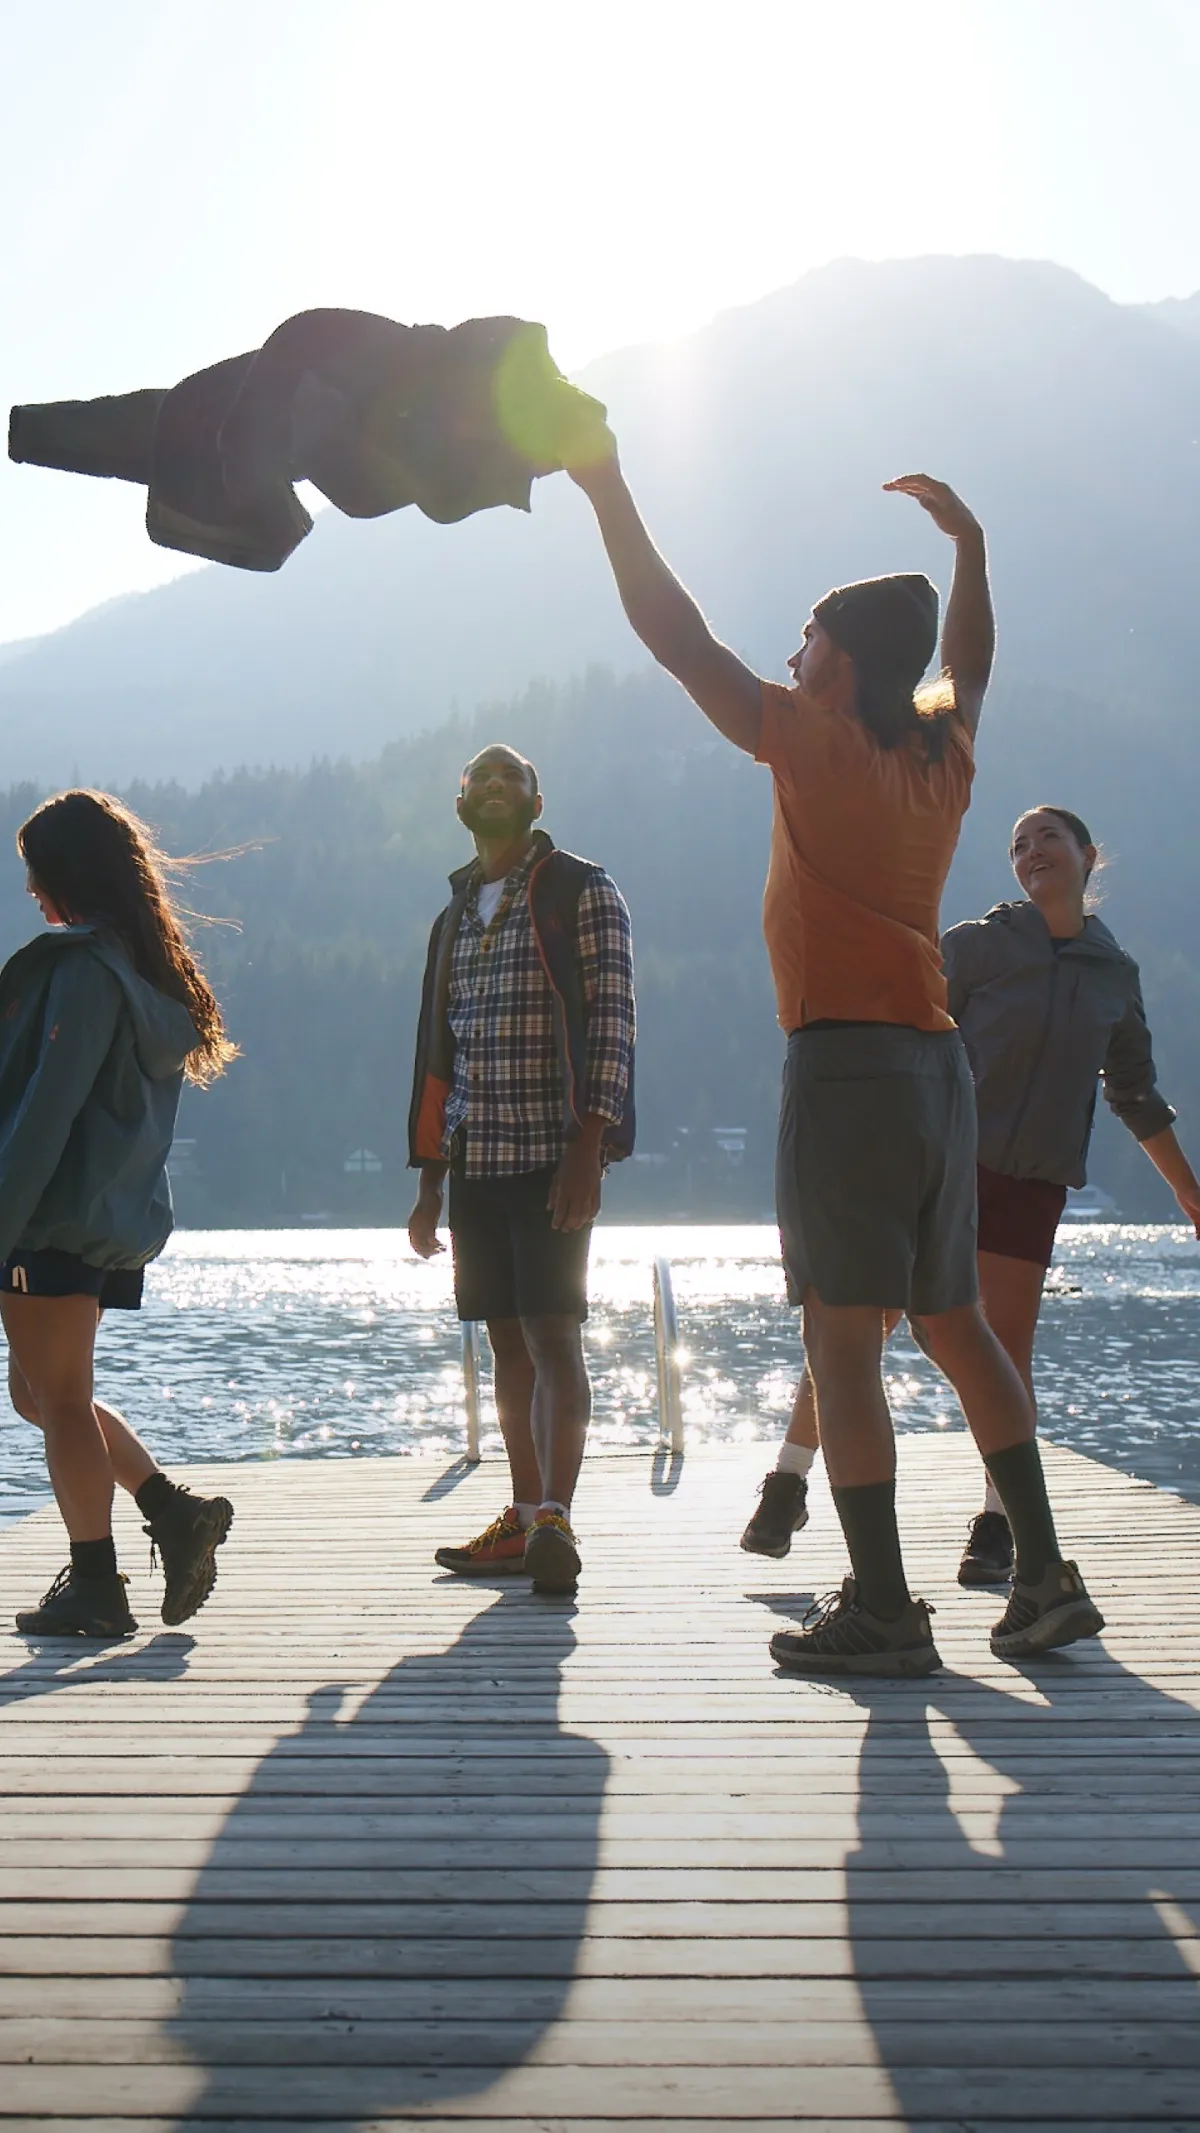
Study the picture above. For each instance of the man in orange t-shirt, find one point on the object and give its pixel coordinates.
(876, 1167)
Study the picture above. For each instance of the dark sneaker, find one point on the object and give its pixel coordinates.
(782, 1510)
(81, 1607)
(186, 1534)
(498, 1551)
(988, 1555)
(551, 1555)
(838, 1636)
(1040, 1617)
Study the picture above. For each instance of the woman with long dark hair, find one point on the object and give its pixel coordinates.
(1050, 1009)
(101, 1020)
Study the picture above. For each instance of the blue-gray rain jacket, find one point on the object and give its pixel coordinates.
(1043, 1027)
(91, 1067)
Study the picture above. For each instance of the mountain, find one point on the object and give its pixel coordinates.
(1181, 312)
(756, 447)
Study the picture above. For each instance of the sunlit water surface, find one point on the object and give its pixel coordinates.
(328, 1344)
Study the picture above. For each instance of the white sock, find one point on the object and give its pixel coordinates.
(992, 1499)
(563, 1509)
(794, 1459)
(526, 1513)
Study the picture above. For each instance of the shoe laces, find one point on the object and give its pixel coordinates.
(555, 1519)
(827, 1613)
(495, 1532)
(60, 1584)
(823, 1613)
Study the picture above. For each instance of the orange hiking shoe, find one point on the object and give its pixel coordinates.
(551, 1554)
(498, 1550)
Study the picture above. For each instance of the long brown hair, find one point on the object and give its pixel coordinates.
(100, 866)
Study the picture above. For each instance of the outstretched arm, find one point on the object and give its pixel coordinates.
(664, 614)
(969, 630)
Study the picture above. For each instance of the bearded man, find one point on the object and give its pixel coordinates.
(522, 1093)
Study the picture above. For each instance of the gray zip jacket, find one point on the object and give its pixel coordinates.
(1042, 1027)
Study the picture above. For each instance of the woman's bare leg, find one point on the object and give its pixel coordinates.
(52, 1340)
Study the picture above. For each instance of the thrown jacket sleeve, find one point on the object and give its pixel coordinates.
(606, 965)
(83, 1003)
(1130, 1082)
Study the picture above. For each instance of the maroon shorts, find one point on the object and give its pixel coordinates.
(1019, 1216)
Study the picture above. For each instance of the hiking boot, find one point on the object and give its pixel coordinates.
(551, 1556)
(186, 1534)
(988, 1555)
(498, 1550)
(839, 1636)
(81, 1607)
(782, 1510)
(1040, 1617)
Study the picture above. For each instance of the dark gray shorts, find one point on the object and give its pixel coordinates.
(875, 1174)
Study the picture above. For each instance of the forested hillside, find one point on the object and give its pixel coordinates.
(348, 868)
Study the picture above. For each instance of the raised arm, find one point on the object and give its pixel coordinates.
(664, 614)
(969, 630)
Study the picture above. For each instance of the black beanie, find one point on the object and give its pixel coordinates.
(888, 624)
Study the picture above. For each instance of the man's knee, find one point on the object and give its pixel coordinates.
(839, 1334)
(507, 1339)
(947, 1337)
(556, 1339)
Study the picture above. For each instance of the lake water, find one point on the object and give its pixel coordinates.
(326, 1344)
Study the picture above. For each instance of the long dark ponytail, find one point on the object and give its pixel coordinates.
(100, 866)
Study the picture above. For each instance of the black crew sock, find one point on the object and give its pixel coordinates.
(154, 1495)
(868, 1516)
(94, 1559)
(1021, 1486)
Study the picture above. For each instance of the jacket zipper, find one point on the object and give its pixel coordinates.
(1038, 1056)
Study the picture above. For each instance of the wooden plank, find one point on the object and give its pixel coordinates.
(733, 2096)
(452, 1855)
(339, 2041)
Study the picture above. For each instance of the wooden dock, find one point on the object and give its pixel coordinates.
(366, 1846)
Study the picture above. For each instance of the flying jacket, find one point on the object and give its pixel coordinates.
(555, 885)
(1043, 1027)
(91, 1066)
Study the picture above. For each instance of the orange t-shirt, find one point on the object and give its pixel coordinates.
(860, 849)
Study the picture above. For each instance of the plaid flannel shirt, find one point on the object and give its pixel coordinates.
(506, 1089)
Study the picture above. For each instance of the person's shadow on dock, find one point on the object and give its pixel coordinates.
(1013, 1937)
(52, 1663)
(419, 1927)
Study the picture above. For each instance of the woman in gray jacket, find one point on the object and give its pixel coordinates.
(101, 1019)
(1050, 1009)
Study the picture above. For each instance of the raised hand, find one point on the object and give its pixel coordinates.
(948, 511)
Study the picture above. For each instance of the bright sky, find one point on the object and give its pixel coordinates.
(180, 177)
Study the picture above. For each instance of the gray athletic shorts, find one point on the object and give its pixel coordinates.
(875, 1174)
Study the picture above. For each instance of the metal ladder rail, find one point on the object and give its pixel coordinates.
(666, 1356)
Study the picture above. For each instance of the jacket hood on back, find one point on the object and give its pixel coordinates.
(164, 1032)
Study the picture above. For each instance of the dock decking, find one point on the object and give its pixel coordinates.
(365, 1846)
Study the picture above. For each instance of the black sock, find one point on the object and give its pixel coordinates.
(154, 1495)
(94, 1559)
(868, 1516)
(1021, 1486)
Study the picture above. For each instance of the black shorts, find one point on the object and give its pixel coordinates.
(508, 1261)
(1018, 1217)
(53, 1273)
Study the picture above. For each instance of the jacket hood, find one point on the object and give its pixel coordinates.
(1026, 919)
(164, 1032)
